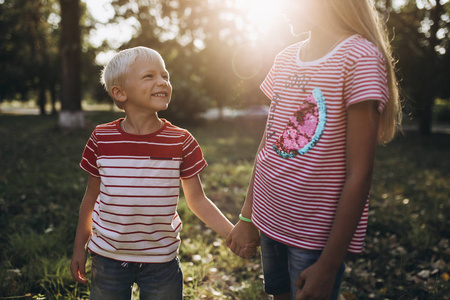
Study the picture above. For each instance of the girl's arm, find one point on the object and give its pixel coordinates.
(84, 228)
(204, 208)
(362, 128)
(245, 233)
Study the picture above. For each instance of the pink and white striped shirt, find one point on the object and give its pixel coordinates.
(301, 170)
(135, 217)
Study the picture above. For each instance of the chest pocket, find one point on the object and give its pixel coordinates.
(165, 166)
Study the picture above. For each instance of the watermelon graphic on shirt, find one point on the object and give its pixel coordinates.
(304, 127)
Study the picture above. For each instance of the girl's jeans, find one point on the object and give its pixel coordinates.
(282, 264)
(113, 280)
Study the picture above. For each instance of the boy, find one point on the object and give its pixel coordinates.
(128, 216)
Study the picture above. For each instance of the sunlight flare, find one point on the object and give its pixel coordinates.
(259, 14)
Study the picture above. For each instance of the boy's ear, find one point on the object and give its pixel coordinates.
(118, 93)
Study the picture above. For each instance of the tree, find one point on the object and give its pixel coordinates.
(71, 115)
(422, 30)
(27, 45)
(13, 40)
(175, 29)
(199, 41)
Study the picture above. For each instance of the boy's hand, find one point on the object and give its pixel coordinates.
(243, 239)
(249, 250)
(315, 282)
(78, 266)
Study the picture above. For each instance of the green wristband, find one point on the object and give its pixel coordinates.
(244, 219)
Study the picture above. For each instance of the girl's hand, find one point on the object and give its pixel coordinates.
(316, 282)
(243, 239)
(78, 266)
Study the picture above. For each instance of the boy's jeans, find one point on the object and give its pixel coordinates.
(113, 280)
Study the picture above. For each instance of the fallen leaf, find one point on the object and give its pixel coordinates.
(196, 258)
(424, 274)
(347, 296)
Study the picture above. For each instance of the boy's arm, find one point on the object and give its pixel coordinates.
(204, 208)
(245, 233)
(362, 129)
(84, 228)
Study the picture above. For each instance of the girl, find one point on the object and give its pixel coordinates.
(333, 98)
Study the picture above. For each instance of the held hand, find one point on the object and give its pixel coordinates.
(78, 266)
(249, 250)
(316, 282)
(243, 239)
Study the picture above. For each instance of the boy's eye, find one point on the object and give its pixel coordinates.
(149, 76)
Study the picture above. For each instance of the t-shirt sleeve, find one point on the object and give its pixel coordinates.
(89, 159)
(193, 160)
(366, 79)
(267, 85)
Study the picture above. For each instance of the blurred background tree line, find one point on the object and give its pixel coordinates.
(216, 54)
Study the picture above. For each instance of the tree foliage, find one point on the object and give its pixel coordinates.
(215, 54)
(208, 50)
(421, 31)
(29, 50)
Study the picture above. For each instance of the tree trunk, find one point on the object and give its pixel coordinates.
(43, 75)
(71, 115)
(42, 99)
(425, 109)
(53, 97)
(425, 116)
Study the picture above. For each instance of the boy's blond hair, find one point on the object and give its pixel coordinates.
(115, 72)
(361, 17)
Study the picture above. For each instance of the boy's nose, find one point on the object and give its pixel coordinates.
(162, 81)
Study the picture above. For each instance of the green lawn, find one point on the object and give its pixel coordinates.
(407, 247)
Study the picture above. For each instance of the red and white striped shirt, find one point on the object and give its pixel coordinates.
(301, 170)
(135, 217)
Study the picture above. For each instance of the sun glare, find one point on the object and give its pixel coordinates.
(259, 15)
(256, 18)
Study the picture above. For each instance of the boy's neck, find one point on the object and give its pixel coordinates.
(141, 124)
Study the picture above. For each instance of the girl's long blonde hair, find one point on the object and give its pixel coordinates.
(361, 17)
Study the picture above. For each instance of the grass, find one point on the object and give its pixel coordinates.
(407, 246)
